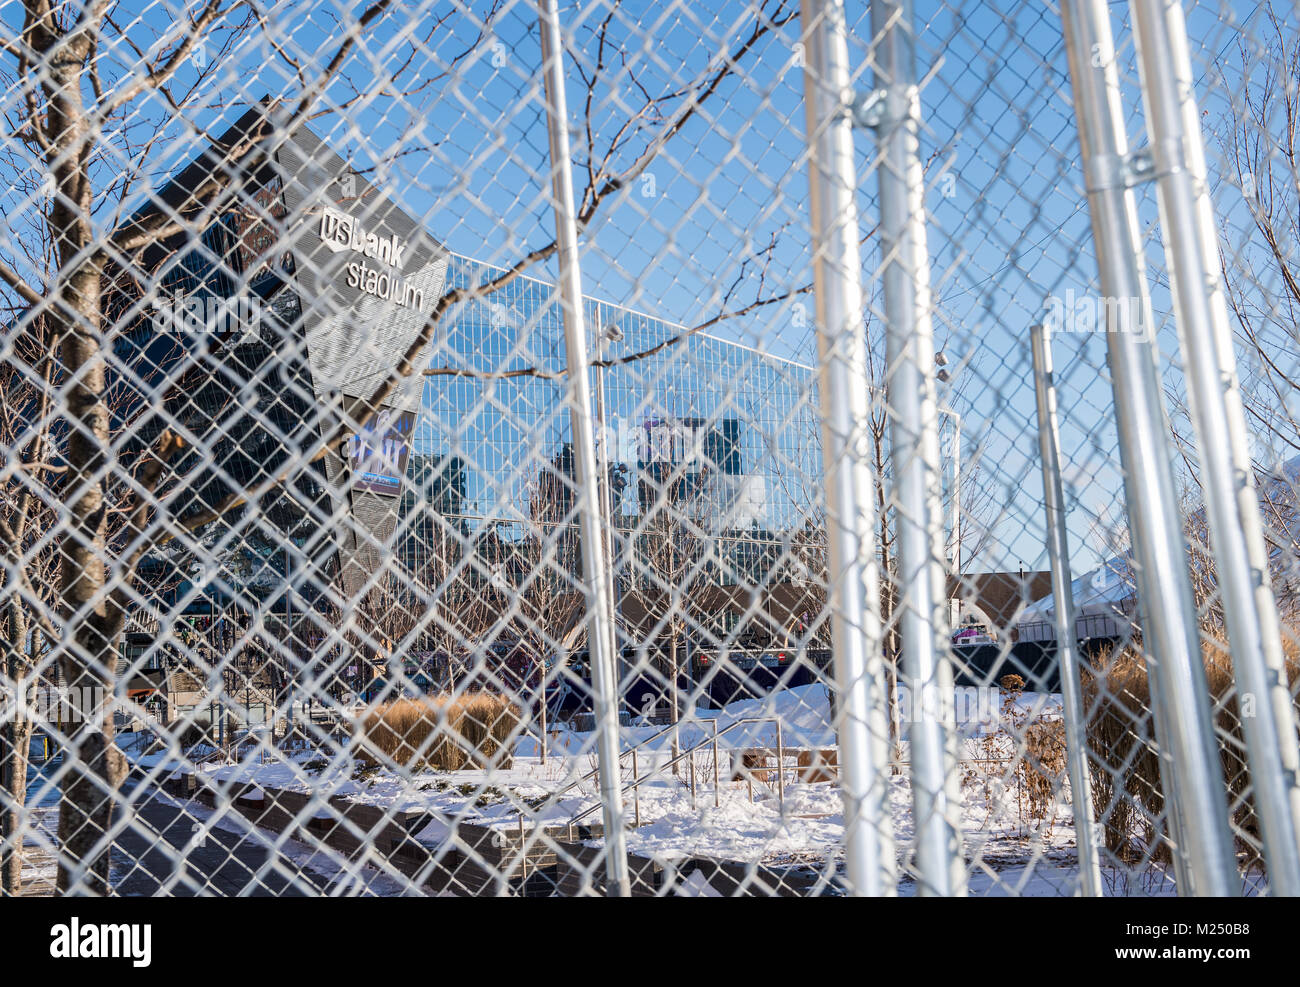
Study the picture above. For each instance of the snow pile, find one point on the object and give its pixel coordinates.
(812, 825)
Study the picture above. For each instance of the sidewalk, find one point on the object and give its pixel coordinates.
(40, 865)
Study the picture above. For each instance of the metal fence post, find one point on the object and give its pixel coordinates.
(914, 435)
(1195, 792)
(1214, 392)
(954, 453)
(717, 788)
(861, 719)
(1058, 549)
(596, 585)
(636, 791)
(780, 769)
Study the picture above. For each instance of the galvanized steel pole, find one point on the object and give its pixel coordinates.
(862, 722)
(1058, 550)
(914, 435)
(954, 492)
(956, 502)
(1214, 393)
(596, 584)
(1195, 793)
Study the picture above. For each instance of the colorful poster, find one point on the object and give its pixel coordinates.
(377, 454)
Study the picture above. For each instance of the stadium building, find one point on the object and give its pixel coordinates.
(330, 283)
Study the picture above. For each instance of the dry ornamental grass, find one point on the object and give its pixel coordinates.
(1122, 757)
(444, 732)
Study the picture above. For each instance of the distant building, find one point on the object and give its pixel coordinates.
(343, 280)
(265, 334)
(728, 436)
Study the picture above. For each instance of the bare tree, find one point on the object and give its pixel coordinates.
(673, 551)
(27, 598)
(547, 609)
(1262, 272)
(38, 475)
(1260, 266)
(94, 125)
(1262, 281)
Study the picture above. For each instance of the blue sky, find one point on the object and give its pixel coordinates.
(727, 199)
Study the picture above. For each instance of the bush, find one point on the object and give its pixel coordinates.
(443, 732)
(1123, 765)
(487, 725)
(1043, 766)
(1128, 795)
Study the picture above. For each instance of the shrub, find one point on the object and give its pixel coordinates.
(443, 732)
(1040, 767)
(487, 724)
(1123, 762)
(1043, 766)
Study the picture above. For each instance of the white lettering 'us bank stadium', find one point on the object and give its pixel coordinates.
(383, 285)
(341, 231)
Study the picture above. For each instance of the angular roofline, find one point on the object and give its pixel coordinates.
(637, 312)
(181, 183)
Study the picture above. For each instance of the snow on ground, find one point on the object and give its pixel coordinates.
(749, 823)
(40, 862)
(811, 829)
(806, 721)
(1007, 852)
(813, 824)
(344, 878)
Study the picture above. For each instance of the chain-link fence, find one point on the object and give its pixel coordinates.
(741, 448)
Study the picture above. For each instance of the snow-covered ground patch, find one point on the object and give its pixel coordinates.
(684, 819)
(750, 822)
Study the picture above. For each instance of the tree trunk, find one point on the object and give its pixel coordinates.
(15, 742)
(887, 597)
(542, 714)
(93, 768)
(13, 753)
(674, 700)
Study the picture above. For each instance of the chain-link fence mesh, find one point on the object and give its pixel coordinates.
(349, 550)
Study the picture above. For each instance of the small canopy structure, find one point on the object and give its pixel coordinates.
(1105, 599)
(1104, 603)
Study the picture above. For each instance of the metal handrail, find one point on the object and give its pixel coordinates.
(638, 781)
(211, 757)
(622, 754)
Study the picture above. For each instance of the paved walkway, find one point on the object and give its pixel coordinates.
(168, 850)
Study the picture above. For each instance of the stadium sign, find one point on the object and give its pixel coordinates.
(340, 231)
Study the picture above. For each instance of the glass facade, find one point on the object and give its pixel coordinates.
(712, 448)
(728, 436)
